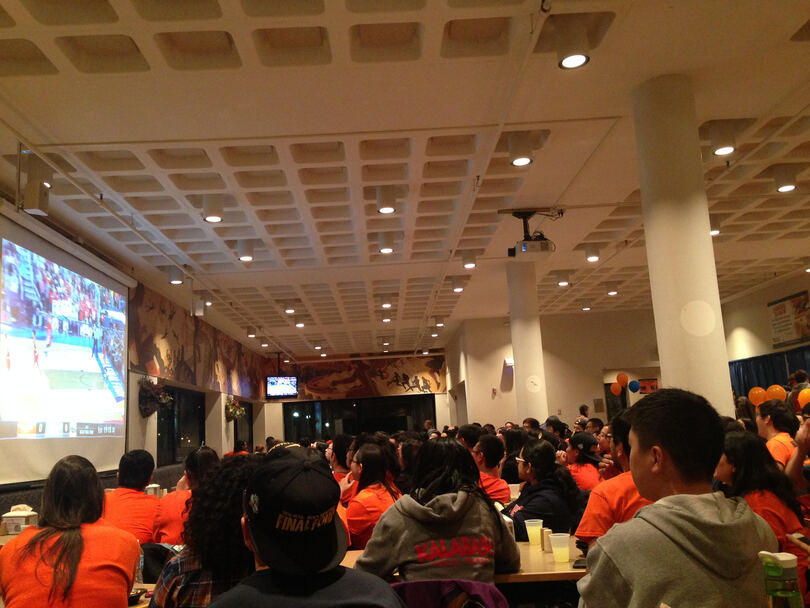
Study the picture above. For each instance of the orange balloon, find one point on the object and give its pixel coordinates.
(757, 395)
(804, 397)
(622, 379)
(616, 389)
(776, 392)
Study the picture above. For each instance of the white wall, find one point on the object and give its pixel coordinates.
(141, 432)
(268, 421)
(746, 321)
(578, 351)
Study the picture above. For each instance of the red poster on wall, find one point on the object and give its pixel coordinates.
(647, 385)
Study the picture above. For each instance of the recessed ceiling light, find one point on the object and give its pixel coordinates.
(424, 352)
(722, 138)
(434, 335)
(571, 41)
(175, 275)
(318, 347)
(209, 303)
(612, 289)
(386, 319)
(386, 343)
(562, 278)
(299, 323)
(386, 240)
(289, 309)
(586, 305)
(251, 333)
(265, 344)
(468, 260)
(520, 148)
(286, 360)
(323, 354)
(592, 253)
(439, 322)
(457, 286)
(385, 350)
(784, 177)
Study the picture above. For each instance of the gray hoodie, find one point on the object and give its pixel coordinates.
(684, 550)
(452, 536)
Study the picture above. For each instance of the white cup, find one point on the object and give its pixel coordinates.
(152, 489)
(534, 529)
(560, 546)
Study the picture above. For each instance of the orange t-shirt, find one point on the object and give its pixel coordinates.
(781, 446)
(611, 502)
(170, 516)
(782, 521)
(132, 511)
(585, 475)
(338, 476)
(103, 579)
(495, 487)
(364, 512)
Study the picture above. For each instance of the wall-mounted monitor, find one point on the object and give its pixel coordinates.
(282, 386)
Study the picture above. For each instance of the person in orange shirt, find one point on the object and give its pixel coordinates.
(777, 425)
(487, 454)
(747, 467)
(172, 509)
(336, 455)
(617, 499)
(73, 558)
(127, 507)
(582, 460)
(374, 494)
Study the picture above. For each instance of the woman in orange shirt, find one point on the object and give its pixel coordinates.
(73, 558)
(374, 493)
(750, 471)
(172, 511)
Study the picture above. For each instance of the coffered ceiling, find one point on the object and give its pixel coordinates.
(296, 111)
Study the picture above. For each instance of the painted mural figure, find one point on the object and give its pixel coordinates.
(406, 382)
(425, 385)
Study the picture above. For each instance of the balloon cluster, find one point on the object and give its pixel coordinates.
(621, 381)
(759, 395)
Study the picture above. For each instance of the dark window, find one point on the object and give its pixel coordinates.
(181, 427)
(325, 419)
(615, 403)
(243, 427)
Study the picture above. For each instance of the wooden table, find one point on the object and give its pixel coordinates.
(535, 565)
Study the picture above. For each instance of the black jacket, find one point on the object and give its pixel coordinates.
(543, 500)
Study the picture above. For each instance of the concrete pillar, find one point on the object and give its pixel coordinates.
(141, 432)
(218, 431)
(527, 345)
(680, 257)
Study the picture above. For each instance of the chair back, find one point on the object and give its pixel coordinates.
(450, 593)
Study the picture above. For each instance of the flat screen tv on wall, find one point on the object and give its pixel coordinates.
(282, 386)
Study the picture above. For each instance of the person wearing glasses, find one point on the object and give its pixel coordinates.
(549, 493)
(617, 499)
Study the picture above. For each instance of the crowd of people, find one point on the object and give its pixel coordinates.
(668, 500)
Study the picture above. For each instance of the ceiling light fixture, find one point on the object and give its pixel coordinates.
(386, 319)
(386, 342)
(175, 275)
(265, 344)
(386, 240)
(245, 250)
(251, 332)
(520, 149)
(434, 335)
(299, 323)
(612, 289)
(457, 285)
(36, 191)
(468, 260)
(286, 360)
(385, 350)
(784, 177)
(562, 278)
(289, 309)
(592, 253)
(722, 138)
(212, 208)
(586, 305)
(318, 347)
(386, 302)
(323, 354)
(714, 225)
(438, 321)
(571, 40)
(386, 198)
(425, 352)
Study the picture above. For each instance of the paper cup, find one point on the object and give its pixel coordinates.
(534, 529)
(560, 546)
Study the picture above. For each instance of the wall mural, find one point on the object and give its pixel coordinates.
(167, 342)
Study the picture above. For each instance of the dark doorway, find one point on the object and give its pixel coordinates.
(325, 419)
(181, 426)
(243, 427)
(615, 403)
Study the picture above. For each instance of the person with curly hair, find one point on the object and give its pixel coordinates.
(73, 557)
(215, 558)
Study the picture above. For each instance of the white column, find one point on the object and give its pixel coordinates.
(527, 345)
(680, 257)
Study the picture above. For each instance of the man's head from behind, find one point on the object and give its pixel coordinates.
(488, 452)
(468, 434)
(676, 438)
(290, 521)
(135, 469)
(774, 417)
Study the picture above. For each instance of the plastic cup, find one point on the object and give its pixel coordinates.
(560, 546)
(534, 528)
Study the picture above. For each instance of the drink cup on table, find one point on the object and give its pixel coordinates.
(534, 529)
(560, 546)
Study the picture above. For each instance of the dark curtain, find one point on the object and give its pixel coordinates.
(766, 370)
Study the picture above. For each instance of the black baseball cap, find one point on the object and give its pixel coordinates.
(585, 442)
(291, 510)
